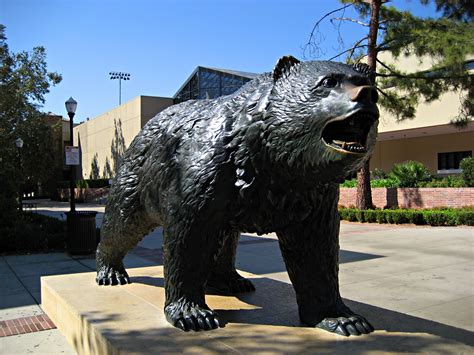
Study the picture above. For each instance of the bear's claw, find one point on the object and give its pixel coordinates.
(109, 276)
(197, 323)
(191, 317)
(346, 326)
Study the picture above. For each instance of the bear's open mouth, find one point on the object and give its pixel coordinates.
(349, 133)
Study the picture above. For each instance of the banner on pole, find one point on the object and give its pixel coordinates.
(72, 155)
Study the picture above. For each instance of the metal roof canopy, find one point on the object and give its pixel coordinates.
(217, 70)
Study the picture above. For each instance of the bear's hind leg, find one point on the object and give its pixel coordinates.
(224, 277)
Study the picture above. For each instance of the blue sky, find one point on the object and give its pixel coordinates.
(160, 42)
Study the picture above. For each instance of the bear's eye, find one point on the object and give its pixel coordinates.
(329, 82)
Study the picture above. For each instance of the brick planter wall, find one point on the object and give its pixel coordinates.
(413, 197)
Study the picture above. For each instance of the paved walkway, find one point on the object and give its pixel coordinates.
(409, 279)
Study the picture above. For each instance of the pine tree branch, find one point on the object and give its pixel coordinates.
(381, 91)
(386, 66)
(350, 20)
(421, 77)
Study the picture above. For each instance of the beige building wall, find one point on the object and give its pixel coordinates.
(424, 136)
(424, 149)
(104, 139)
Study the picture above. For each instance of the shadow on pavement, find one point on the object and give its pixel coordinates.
(276, 306)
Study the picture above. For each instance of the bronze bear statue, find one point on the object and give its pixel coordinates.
(267, 158)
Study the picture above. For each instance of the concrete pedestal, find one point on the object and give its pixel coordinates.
(130, 319)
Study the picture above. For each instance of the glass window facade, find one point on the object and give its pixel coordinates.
(207, 83)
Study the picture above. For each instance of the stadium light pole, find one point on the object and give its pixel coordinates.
(120, 76)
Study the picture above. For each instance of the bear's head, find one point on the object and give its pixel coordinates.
(320, 119)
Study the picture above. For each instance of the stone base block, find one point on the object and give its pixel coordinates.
(130, 319)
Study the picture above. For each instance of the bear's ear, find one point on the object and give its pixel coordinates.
(283, 65)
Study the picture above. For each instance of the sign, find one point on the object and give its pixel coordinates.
(72, 155)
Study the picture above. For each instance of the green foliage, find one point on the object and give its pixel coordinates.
(388, 182)
(349, 183)
(82, 184)
(96, 183)
(433, 217)
(467, 166)
(24, 83)
(456, 9)
(435, 182)
(377, 174)
(410, 173)
(446, 42)
(33, 232)
(449, 181)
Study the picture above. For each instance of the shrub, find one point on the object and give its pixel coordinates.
(467, 174)
(378, 174)
(370, 216)
(82, 184)
(449, 181)
(380, 216)
(410, 173)
(465, 218)
(434, 217)
(97, 183)
(33, 232)
(349, 183)
(389, 182)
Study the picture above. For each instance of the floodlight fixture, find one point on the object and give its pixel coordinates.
(120, 76)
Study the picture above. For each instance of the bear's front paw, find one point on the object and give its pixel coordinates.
(107, 275)
(190, 316)
(346, 326)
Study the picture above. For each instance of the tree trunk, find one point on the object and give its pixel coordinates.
(364, 193)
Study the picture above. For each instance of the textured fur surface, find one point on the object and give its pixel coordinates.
(253, 161)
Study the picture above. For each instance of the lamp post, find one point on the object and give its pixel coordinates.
(81, 227)
(120, 76)
(19, 145)
(71, 106)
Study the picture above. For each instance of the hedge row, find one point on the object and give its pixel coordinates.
(33, 233)
(449, 217)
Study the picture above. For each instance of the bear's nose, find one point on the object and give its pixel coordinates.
(367, 94)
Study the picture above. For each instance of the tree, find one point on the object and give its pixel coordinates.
(24, 83)
(446, 41)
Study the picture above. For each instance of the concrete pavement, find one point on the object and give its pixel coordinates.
(410, 279)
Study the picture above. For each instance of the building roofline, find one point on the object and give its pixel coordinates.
(225, 71)
(427, 131)
(186, 81)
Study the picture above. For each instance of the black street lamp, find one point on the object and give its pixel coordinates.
(71, 106)
(19, 145)
(81, 226)
(120, 76)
